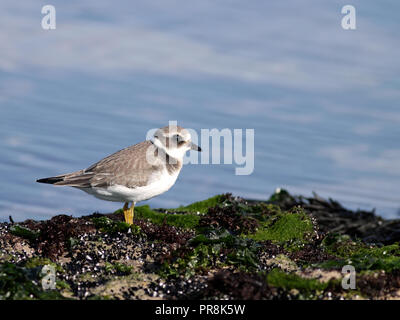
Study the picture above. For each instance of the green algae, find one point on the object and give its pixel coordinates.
(202, 206)
(119, 268)
(262, 211)
(17, 283)
(244, 259)
(385, 258)
(72, 242)
(86, 277)
(185, 221)
(240, 251)
(62, 285)
(283, 262)
(361, 256)
(36, 262)
(5, 257)
(212, 236)
(289, 281)
(107, 225)
(279, 196)
(283, 227)
(201, 257)
(188, 220)
(24, 232)
(214, 248)
(341, 246)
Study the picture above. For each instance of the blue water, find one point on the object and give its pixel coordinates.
(324, 102)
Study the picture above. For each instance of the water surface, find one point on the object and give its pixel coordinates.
(323, 101)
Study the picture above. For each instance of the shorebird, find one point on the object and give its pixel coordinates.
(136, 173)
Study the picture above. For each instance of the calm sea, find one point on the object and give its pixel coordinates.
(323, 102)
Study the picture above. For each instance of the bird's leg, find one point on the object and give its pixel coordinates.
(127, 213)
(131, 213)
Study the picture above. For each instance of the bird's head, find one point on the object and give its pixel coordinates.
(175, 141)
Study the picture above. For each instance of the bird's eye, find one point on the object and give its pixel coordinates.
(177, 138)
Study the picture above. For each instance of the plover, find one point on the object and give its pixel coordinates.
(136, 173)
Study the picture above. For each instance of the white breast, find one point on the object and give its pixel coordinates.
(159, 184)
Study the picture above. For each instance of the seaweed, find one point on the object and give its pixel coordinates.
(202, 206)
(23, 232)
(224, 247)
(187, 263)
(107, 225)
(17, 283)
(228, 217)
(239, 286)
(289, 281)
(293, 229)
(186, 221)
(118, 268)
(55, 234)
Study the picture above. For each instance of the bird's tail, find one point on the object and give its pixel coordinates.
(51, 180)
(79, 178)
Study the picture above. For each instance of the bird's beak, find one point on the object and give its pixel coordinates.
(194, 147)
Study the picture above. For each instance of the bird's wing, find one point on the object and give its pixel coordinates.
(128, 167)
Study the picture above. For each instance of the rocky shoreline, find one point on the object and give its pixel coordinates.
(288, 247)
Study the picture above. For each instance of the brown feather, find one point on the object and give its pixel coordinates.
(128, 167)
